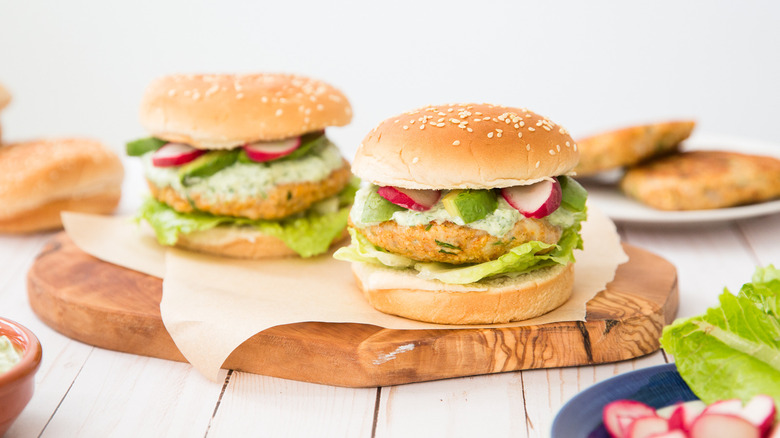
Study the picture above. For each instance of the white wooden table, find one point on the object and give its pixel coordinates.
(83, 391)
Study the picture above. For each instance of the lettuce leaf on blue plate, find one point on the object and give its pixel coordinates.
(733, 350)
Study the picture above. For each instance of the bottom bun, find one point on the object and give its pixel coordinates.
(47, 216)
(492, 302)
(240, 242)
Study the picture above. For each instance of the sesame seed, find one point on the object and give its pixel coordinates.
(440, 125)
(171, 92)
(528, 147)
(547, 128)
(519, 135)
(531, 128)
(469, 130)
(264, 99)
(422, 126)
(456, 143)
(552, 152)
(406, 127)
(415, 159)
(568, 144)
(575, 146)
(557, 146)
(397, 120)
(537, 164)
(279, 112)
(454, 120)
(412, 121)
(490, 135)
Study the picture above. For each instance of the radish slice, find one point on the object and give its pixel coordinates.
(619, 415)
(760, 411)
(671, 434)
(417, 200)
(775, 433)
(684, 414)
(644, 427)
(536, 200)
(732, 406)
(723, 426)
(175, 154)
(263, 151)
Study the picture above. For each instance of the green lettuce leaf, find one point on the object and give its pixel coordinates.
(733, 350)
(308, 234)
(519, 260)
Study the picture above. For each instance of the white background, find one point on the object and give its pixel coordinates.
(79, 67)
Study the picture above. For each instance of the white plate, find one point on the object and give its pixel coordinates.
(620, 208)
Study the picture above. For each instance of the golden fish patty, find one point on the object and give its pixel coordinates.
(279, 202)
(699, 180)
(629, 146)
(449, 242)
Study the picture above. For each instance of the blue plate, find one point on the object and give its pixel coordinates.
(656, 386)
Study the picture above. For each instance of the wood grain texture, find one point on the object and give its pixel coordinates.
(115, 308)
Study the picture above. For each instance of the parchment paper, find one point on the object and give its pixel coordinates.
(211, 305)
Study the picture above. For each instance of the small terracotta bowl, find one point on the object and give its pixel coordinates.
(17, 384)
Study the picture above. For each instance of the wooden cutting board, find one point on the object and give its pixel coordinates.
(112, 307)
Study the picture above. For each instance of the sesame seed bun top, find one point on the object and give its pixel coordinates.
(222, 111)
(459, 146)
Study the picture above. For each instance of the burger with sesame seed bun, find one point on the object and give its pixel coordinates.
(240, 166)
(470, 217)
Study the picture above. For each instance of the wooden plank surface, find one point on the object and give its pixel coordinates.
(112, 307)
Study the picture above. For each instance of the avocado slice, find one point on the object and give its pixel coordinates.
(206, 165)
(573, 195)
(377, 208)
(141, 146)
(470, 205)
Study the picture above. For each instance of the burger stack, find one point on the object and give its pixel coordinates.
(240, 165)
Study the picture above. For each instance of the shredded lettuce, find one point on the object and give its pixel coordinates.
(308, 234)
(732, 350)
(519, 260)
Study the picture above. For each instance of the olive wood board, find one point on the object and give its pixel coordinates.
(112, 307)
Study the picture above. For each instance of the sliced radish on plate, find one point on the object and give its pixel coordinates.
(619, 415)
(684, 414)
(263, 151)
(732, 406)
(536, 200)
(671, 434)
(645, 427)
(417, 200)
(175, 154)
(760, 411)
(723, 426)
